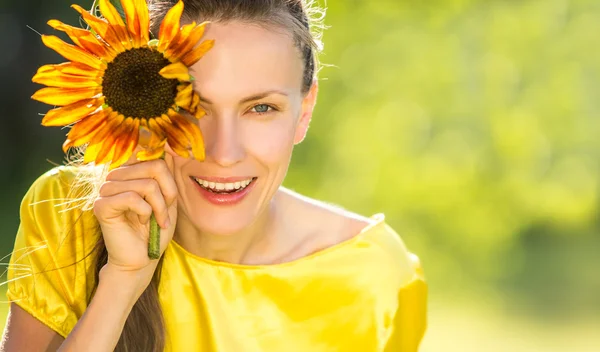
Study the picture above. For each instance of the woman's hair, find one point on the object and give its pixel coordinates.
(144, 329)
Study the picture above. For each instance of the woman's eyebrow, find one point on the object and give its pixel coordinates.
(257, 96)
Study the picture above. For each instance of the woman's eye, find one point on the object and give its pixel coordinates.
(261, 108)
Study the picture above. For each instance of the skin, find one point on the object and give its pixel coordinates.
(269, 226)
(247, 61)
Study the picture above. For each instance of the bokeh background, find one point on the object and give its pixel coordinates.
(473, 125)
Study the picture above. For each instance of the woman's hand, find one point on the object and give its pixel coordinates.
(126, 201)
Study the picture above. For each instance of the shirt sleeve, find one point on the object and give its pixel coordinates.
(50, 274)
(410, 320)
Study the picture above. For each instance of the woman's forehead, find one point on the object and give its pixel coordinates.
(247, 58)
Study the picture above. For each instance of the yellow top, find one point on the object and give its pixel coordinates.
(364, 294)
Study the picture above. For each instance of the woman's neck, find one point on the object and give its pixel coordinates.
(248, 246)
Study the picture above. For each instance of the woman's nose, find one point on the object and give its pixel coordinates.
(223, 144)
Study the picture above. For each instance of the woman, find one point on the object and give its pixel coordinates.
(246, 265)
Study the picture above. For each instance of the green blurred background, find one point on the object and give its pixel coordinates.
(473, 125)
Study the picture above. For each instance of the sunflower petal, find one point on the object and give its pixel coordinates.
(131, 19)
(193, 134)
(55, 78)
(179, 38)
(114, 18)
(193, 56)
(144, 21)
(83, 131)
(73, 32)
(195, 102)
(151, 154)
(85, 40)
(177, 71)
(71, 113)
(184, 96)
(112, 139)
(98, 143)
(91, 152)
(65, 96)
(104, 29)
(71, 52)
(71, 68)
(170, 26)
(126, 145)
(150, 137)
(175, 138)
(188, 43)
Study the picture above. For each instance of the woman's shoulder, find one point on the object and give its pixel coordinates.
(49, 272)
(52, 213)
(371, 242)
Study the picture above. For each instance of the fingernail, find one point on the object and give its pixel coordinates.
(167, 223)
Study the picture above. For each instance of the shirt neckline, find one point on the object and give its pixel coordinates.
(379, 220)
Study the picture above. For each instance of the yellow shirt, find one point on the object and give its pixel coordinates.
(364, 294)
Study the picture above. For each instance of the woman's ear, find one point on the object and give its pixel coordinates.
(308, 105)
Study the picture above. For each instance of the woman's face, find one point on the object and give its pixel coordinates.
(250, 86)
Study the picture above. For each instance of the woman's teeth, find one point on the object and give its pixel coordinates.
(218, 187)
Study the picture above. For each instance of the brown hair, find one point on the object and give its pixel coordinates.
(144, 329)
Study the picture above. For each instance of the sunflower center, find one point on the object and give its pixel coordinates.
(134, 88)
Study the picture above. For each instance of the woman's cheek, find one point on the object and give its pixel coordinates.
(269, 141)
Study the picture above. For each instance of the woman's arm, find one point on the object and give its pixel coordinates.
(98, 329)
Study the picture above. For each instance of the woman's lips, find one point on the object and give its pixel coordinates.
(224, 198)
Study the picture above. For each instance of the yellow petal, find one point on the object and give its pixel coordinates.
(71, 52)
(132, 21)
(104, 30)
(188, 43)
(85, 40)
(144, 20)
(112, 139)
(83, 131)
(150, 137)
(151, 154)
(170, 26)
(111, 14)
(177, 71)
(65, 96)
(114, 18)
(91, 152)
(71, 113)
(57, 79)
(153, 143)
(193, 56)
(184, 96)
(175, 137)
(113, 120)
(179, 38)
(195, 102)
(72, 32)
(125, 147)
(71, 68)
(193, 134)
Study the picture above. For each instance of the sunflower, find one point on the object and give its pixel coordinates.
(121, 88)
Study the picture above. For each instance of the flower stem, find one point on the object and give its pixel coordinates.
(154, 240)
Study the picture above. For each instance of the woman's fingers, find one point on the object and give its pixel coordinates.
(110, 207)
(148, 189)
(155, 169)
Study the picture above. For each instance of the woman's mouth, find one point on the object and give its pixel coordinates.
(224, 188)
(224, 193)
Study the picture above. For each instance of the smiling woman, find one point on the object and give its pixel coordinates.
(246, 265)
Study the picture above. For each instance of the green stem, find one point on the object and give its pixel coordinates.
(154, 241)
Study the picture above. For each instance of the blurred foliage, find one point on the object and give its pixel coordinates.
(471, 124)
